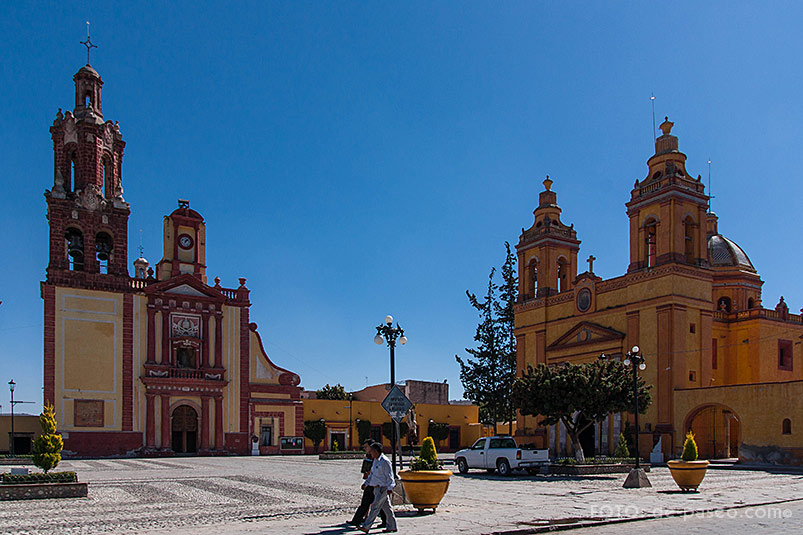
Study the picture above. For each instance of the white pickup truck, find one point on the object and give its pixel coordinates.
(499, 453)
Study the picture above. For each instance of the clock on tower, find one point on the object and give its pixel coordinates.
(184, 244)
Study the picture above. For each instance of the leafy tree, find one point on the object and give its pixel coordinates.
(363, 431)
(627, 430)
(577, 395)
(621, 451)
(47, 446)
(332, 392)
(488, 377)
(437, 431)
(315, 430)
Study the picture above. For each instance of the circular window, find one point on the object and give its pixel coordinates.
(584, 300)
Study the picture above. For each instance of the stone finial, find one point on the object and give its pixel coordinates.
(666, 126)
(217, 282)
(548, 183)
(242, 282)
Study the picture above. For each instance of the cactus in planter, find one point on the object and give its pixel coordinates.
(428, 460)
(47, 446)
(689, 448)
(621, 451)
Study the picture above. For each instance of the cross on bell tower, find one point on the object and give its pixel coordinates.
(88, 43)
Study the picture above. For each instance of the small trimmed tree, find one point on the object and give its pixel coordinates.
(621, 450)
(428, 460)
(577, 395)
(47, 446)
(389, 427)
(332, 392)
(437, 431)
(315, 430)
(689, 448)
(363, 431)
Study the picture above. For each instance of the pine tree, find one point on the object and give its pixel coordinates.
(47, 446)
(488, 377)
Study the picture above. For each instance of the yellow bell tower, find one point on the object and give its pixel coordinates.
(667, 210)
(184, 244)
(547, 251)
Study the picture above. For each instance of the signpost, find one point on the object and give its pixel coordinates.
(397, 405)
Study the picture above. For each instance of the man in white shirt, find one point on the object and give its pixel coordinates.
(381, 478)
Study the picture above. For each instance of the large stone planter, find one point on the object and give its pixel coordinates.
(36, 491)
(425, 488)
(687, 474)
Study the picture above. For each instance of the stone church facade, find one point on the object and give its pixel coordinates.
(720, 363)
(159, 363)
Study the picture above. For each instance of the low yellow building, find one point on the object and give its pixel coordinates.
(26, 429)
(341, 418)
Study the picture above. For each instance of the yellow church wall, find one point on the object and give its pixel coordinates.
(88, 350)
(231, 359)
(760, 409)
(288, 429)
(140, 352)
(336, 415)
(261, 371)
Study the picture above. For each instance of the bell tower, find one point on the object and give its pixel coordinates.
(667, 210)
(547, 251)
(87, 214)
(184, 244)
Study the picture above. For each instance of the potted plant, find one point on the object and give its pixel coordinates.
(688, 473)
(426, 481)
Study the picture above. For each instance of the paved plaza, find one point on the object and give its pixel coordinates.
(263, 495)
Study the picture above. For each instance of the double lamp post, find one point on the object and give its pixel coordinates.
(386, 332)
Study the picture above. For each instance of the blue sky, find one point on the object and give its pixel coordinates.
(356, 159)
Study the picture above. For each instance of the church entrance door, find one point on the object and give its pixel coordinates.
(184, 427)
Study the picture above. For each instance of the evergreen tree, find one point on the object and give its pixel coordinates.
(47, 446)
(488, 377)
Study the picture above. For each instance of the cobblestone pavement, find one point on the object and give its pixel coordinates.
(245, 495)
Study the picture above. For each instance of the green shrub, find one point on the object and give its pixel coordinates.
(689, 448)
(621, 447)
(47, 446)
(53, 477)
(315, 430)
(428, 460)
(438, 431)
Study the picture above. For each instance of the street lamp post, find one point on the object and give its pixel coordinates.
(386, 332)
(11, 385)
(637, 478)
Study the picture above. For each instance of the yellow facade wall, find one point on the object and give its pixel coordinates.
(336, 415)
(88, 355)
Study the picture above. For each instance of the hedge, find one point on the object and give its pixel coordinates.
(54, 477)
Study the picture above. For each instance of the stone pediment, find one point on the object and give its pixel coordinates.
(586, 332)
(186, 284)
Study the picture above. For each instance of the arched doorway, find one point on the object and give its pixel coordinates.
(184, 428)
(717, 431)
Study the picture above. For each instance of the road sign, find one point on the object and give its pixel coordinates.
(396, 404)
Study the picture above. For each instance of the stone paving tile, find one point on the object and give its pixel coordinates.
(239, 495)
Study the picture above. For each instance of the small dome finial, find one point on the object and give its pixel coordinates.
(548, 183)
(666, 126)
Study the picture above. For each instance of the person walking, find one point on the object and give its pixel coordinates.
(368, 492)
(381, 478)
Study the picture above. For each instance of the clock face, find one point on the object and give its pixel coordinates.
(185, 241)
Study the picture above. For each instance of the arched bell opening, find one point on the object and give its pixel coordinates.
(103, 251)
(74, 243)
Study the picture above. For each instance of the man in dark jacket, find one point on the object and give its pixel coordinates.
(368, 493)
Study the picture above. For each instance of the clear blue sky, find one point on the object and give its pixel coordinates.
(357, 159)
